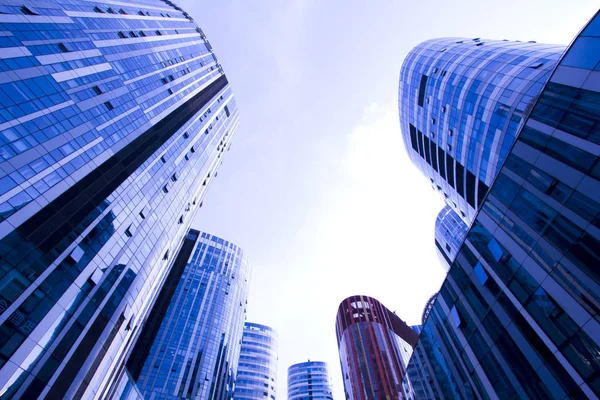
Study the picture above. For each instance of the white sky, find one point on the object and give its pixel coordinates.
(317, 187)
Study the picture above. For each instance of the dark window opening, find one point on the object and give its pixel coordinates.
(98, 10)
(63, 48)
(110, 11)
(164, 81)
(165, 189)
(193, 150)
(481, 192)
(121, 11)
(536, 66)
(174, 177)
(122, 35)
(422, 87)
(450, 169)
(186, 135)
(133, 34)
(142, 214)
(163, 160)
(226, 110)
(420, 137)
(170, 91)
(471, 188)
(427, 148)
(128, 232)
(141, 33)
(460, 179)
(434, 163)
(158, 33)
(97, 90)
(27, 11)
(441, 162)
(413, 137)
(109, 106)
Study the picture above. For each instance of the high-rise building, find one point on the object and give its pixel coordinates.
(257, 370)
(114, 117)
(450, 231)
(517, 316)
(190, 346)
(419, 374)
(375, 346)
(461, 103)
(309, 381)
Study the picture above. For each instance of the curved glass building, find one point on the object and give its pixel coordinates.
(375, 346)
(309, 380)
(450, 231)
(114, 118)
(517, 316)
(257, 369)
(190, 345)
(461, 103)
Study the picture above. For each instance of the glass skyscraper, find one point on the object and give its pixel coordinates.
(114, 117)
(257, 369)
(419, 374)
(190, 346)
(309, 381)
(461, 103)
(450, 231)
(517, 316)
(375, 346)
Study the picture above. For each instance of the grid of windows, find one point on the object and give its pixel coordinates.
(309, 380)
(518, 312)
(257, 369)
(89, 136)
(192, 345)
(450, 231)
(461, 102)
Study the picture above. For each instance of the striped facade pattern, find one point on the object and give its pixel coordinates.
(114, 117)
(374, 347)
(257, 369)
(450, 231)
(518, 314)
(461, 103)
(195, 351)
(309, 381)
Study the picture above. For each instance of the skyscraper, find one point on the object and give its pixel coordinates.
(517, 316)
(375, 346)
(114, 117)
(461, 102)
(113, 120)
(190, 346)
(450, 231)
(257, 370)
(419, 374)
(309, 380)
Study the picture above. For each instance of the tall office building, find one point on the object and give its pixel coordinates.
(257, 369)
(113, 120)
(419, 374)
(309, 381)
(375, 346)
(461, 102)
(190, 346)
(450, 231)
(517, 316)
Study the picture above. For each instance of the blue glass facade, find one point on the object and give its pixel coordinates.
(257, 368)
(461, 103)
(518, 315)
(450, 231)
(113, 120)
(309, 380)
(419, 372)
(190, 346)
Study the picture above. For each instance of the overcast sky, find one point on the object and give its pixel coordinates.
(317, 188)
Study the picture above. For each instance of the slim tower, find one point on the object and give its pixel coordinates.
(114, 117)
(375, 346)
(461, 103)
(309, 380)
(257, 368)
(190, 346)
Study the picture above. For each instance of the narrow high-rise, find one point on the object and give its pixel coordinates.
(114, 118)
(309, 381)
(461, 103)
(190, 346)
(517, 316)
(257, 369)
(374, 346)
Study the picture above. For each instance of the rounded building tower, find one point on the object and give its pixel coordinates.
(461, 104)
(309, 380)
(375, 346)
(257, 369)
